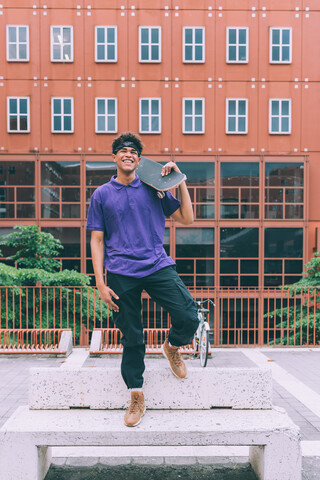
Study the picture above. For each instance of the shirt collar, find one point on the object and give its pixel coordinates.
(118, 186)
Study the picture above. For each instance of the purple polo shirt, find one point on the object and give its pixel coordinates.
(132, 218)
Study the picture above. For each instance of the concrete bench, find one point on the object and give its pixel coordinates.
(36, 340)
(222, 407)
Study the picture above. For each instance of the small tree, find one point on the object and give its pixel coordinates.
(35, 248)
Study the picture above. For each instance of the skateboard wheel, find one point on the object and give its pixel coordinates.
(160, 194)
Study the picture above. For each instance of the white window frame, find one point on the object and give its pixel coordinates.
(61, 60)
(106, 115)
(280, 45)
(17, 59)
(18, 114)
(193, 132)
(62, 115)
(280, 115)
(106, 43)
(150, 132)
(193, 44)
(149, 44)
(237, 45)
(236, 132)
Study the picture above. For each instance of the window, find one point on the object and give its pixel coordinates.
(237, 45)
(280, 116)
(18, 43)
(70, 256)
(193, 44)
(18, 114)
(237, 115)
(106, 44)
(106, 115)
(193, 115)
(149, 44)
(61, 44)
(280, 45)
(62, 115)
(17, 190)
(150, 115)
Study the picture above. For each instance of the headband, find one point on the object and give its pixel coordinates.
(127, 143)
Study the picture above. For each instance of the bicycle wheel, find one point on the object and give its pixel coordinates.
(204, 347)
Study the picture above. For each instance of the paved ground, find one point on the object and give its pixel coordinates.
(296, 388)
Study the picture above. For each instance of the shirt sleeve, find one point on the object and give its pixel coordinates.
(169, 204)
(95, 220)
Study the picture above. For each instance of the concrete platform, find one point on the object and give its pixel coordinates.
(103, 388)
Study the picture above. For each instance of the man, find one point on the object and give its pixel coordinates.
(127, 221)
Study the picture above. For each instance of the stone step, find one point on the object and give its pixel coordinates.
(103, 388)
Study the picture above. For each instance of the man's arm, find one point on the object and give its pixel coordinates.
(184, 214)
(97, 252)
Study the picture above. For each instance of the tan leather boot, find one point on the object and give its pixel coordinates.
(177, 365)
(136, 410)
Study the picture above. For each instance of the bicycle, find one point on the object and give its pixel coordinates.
(200, 342)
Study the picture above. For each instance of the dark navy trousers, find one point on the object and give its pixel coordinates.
(167, 289)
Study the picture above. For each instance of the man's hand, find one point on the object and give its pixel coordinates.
(166, 169)
(106, 295)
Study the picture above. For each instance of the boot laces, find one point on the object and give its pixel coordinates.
(135, 406)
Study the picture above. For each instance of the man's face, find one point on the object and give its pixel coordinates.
(127, 159)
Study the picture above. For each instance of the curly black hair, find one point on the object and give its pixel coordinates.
(127, 137)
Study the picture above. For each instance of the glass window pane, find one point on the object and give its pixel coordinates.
(23, 105)
(231, 107)
(198, 107)
(56, 35)
(60, 173)
(13, 104)
(100, 52)
(22, 34)
(285, 124)
(284, 242)
(111, 35)
(111, 52)
(56, 52)
(67, 123)
(188, 35)
(242, 107)
(23, 51)
(242, 54)
(111, 124)
(231, 124)
(276, 54)
(12, 51)
(101, 124)
(100, 35)
(275, 124)
(23, 123)
(232, 35)
(276, 36)
(198, 35)
(290, 174)
(239, 242)
(13, 123)
(154, 35)
(242, 36)
(145, 107)
(155, 124)
(198, 124)
(242, 124)
(67, 106)
(144, 35)
(57, 124)
(286, 36)
(144, 52)
(191, 240)
(198, 53)
(111, 107)
(285, 54)
(56, 106)
(145, 124)
(67, 34)
(232, 54)
(239, 174)
(12, 34)
(101, 106)
(275, 107)
(188, 124)
(155, 106)
(285, 107)
(188, 107)
(155, 52)
(67, 52)
(188, 53)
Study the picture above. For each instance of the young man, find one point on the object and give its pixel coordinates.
(127, 220)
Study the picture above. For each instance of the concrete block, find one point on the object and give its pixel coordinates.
(96, 341)
(103, 388)
(114, 461)
(180, 460)
(66, 343)
(82, 461)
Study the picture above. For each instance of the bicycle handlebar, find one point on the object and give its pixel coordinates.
(207, 300)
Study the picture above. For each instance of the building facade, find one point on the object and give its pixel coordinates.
(229, 90)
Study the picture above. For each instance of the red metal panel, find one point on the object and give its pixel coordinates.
(283, 5)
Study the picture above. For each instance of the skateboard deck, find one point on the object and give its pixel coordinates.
(149, 173)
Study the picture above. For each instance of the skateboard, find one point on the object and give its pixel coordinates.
(149, 173)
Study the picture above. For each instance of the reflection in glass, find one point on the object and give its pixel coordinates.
(191, 242)
(17, 173)
(60, 173)
(283, 242)
(98, 173)
(284, 174)
(239, 242)
(69, 237)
